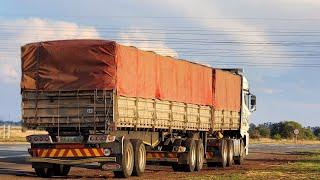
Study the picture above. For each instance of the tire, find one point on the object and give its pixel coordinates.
(177, 167)
(44, 172)
(230, 153)
(191, 156)
(223, 149)
(127, 160)
(212, 164)
(139, 157)
(61, 170)
(240, 159)
(200, 155)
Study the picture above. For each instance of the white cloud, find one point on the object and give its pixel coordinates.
(237, 30)
(7, 73)
(302, 2)
(270, 90)
(19, 32)
(144, 42)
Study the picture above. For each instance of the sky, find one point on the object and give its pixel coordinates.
(276, 42)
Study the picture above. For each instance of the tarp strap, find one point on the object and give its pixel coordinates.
(37, 79)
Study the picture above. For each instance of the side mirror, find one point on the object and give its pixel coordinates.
(253, 102)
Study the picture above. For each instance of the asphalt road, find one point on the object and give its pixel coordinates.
(13, 165)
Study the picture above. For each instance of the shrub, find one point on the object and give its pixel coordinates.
(264, 131)
(277, 137)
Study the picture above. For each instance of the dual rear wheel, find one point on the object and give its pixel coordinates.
(56, 170)
(239, 160)
(133, 159)
(194, 156)
(226, 154)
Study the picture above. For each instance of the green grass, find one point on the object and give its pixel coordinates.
(306, 167)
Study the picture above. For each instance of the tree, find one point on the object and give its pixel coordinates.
(307, 134)
(252, 127)
(316, 131)
(264, 131)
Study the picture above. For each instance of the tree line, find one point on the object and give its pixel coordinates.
(12, 123)
(283, 130)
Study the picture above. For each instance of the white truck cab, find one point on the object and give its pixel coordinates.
(247, 107)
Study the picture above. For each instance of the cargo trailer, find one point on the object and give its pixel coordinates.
(122, 107)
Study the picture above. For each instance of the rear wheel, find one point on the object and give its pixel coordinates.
(139, 157)
(200, 155)
(223, 149)
(44, 172)
(239, 160)
(127, 160)
(61, 170)
(177, 167)
(230, 153)
(191, 156)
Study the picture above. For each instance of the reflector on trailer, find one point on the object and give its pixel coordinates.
(70, 139)
(101, 138)
(39, 139)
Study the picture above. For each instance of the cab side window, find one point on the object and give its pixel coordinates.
(247, 100)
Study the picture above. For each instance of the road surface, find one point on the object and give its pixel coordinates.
(13, 165)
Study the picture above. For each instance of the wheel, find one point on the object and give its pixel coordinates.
(212, 164)
(239, 160)
(127, 160)
(177, 167)
(61, 170)
(223, 149)
(200, 155)
(191, 156)
(44, 172)
(230, 153)
(139, 157)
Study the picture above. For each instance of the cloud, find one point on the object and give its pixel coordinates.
(7, 73)
(269, 90)
(302, 2)
(143, 42)
(19, 32)
(236, 30)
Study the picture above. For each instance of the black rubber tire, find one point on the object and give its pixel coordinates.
(200, 155)
(191, 156)
(230, 153)
(44, 172)
(140, 157)
(61, 170)
(177, 167)
(127, 161)
(212, 164)
(223, 149)
(239, 160)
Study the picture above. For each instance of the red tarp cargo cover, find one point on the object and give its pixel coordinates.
(106, 65)
(68, 65)
(99, 64)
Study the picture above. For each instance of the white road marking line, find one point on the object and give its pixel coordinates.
(20, 155)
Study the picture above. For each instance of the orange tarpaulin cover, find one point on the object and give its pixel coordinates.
(226, 90)
(106, 65)
(149, 75)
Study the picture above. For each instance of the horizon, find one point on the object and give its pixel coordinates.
(275, 42)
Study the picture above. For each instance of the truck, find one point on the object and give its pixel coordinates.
(120, 107)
